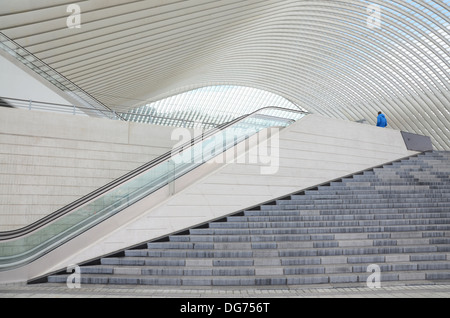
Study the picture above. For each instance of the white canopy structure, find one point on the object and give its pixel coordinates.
(346, 59)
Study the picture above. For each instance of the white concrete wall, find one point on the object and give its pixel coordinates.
(312, 151)
(17, 81)
(48, 160)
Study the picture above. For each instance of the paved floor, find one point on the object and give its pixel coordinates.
(437, 290)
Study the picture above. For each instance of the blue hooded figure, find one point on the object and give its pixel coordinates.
(381, 120)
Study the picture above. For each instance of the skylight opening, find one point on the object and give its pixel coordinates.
(207, 106)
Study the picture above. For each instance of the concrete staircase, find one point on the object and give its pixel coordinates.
(396, 217)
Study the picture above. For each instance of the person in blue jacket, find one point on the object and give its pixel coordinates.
(381, 120)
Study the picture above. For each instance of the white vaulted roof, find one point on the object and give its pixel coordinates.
(339, 58)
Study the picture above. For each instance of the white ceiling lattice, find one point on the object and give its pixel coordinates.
(340, 58)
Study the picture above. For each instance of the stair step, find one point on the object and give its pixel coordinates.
(276, 270)
(328, 224)
(302, 279)
(305, 237)
(317, 230)
(263, 259)
(278, 217)
(306, 249)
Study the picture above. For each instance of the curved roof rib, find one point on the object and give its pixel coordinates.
(340, 58)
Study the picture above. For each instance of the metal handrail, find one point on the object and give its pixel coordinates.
(79, 110)
(40, 67)
(12, 234)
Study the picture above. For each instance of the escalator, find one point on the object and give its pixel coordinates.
(25, 245)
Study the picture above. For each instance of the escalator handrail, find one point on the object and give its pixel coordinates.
(12, 234)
